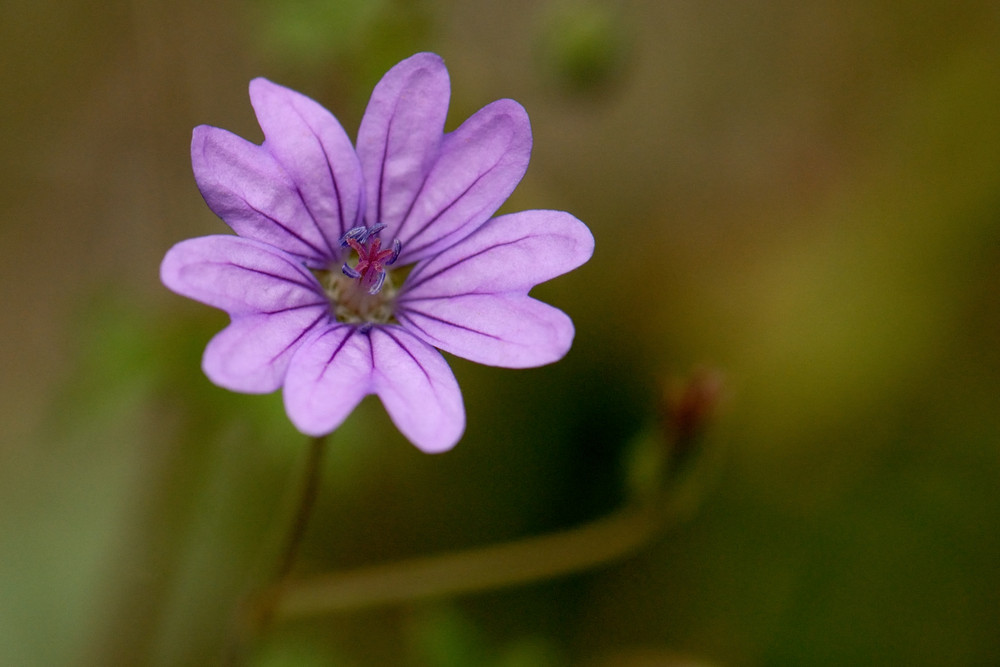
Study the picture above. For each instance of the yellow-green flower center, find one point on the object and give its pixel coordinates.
(353, 303)
(363, 293)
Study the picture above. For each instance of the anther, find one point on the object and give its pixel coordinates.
(359, 234)
(396, 248)
(377, 285)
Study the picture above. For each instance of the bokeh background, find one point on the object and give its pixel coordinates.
(802, 197)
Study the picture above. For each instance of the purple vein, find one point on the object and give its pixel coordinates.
(288, 230)
(385, 157)
(308, 285)
(409, 354)
(315, 221)
(410, 324)
(298, 190)
(340, 346)
(409, 312)
(420, 279)
(291, 308)
(333, 182)
(457, 295)
(410, 250)
(302, 333)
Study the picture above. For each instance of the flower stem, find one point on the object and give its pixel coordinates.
(256, 616)
(307, 499)
(593, 544)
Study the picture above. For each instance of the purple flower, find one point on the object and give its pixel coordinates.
(350, 265)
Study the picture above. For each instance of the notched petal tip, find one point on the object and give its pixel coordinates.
(418, 389)
(400, 133)
(326, 379)
(508, 331)
(508, 254)
(239, 275)
(478, 166)
(251, 355)
(309, 143)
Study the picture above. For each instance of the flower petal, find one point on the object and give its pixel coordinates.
(471, 300)
(240, 276)
(252, 354)
(246, 186)
(309, 142)
(340, 365)
(510, 253)
(479, 165)
(328, 377)
(400, 134)
(493, 329)
(417, 388)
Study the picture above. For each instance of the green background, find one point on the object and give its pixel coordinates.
(804, 197)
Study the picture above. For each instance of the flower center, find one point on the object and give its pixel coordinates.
(363, 293)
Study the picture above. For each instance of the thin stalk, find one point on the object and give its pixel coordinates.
(599, 542)
(307, 500)
(256, 616)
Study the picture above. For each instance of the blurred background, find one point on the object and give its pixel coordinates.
(802, 197)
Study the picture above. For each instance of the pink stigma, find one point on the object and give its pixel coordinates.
(372, 259)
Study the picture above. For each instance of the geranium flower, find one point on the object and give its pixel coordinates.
(351, 265)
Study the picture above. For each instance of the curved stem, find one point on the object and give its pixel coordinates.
(593, 544)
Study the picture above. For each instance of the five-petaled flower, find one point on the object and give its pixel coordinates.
(322, 227)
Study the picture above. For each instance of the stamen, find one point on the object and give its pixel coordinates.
(396, 248)
(372, 259)
(359, 234)
(379, 281)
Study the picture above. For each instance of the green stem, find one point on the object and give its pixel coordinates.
(259, 612)
(307, 499)
(599, 542)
